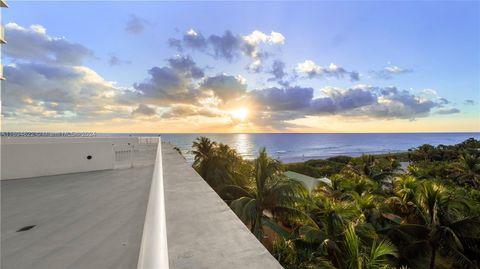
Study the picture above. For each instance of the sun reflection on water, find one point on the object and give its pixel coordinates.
(243, 145)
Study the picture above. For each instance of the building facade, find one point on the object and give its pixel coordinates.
(3, 4)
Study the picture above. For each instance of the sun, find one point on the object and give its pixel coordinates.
(239, 114)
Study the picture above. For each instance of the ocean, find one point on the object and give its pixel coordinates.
(301, 147)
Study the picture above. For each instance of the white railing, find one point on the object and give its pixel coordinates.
(148, 140)
(123, 156)
(154, 248)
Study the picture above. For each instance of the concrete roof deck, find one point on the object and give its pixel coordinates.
(83, 220)
(202, 231)
(96, 219)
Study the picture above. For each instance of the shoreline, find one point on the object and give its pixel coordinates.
(400, 155)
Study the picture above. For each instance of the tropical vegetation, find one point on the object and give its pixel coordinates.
(375, 213)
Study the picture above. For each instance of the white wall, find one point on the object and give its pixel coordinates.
(36, 140)
(33, 156)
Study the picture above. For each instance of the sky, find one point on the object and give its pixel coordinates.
(174, 67)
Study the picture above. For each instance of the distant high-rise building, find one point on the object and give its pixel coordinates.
(3, 3)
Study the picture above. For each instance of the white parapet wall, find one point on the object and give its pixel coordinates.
(24, 157)
(154, 246)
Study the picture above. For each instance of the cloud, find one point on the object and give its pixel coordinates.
(186, 65)
(389, 71)
(446, 111)
(278, 71)
(181, 81)
(339, 100)
(145, 110)
(135, 25)
(394, 103)
(443, 101)
(469, 102)
(358, 101)
(283, 99)
(175, 43)
(181, 111)
(48, 83)
(256, 38)
(312, 70)
(397, 70)
(174, 83)
(165, 86)
(253, 47)
(114, 61)
(225, 87)
(278, 120)
(34, 44)
(225, 46)
(229, 46)
(52, 91)
(191, 40)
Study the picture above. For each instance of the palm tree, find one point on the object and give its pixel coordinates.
(271, 194)
(441, 226)
(373, 169)
(330, 216)
(405, 187)
(404, 200)
(217, 164)
(425, 152)
(358, 256)
(203, 151)
(332, 191)
(367, 205)
(359, 184)
(467, 169)
(227, 168)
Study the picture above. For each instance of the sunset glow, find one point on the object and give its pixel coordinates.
(240, 114)
(172, 67)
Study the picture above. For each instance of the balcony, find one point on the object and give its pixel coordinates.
(2, 35)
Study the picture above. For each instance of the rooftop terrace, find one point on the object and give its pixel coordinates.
(103, 219)
(83, 220)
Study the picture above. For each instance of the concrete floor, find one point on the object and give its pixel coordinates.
(95, 220)
(83, 220)
(202, 231)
